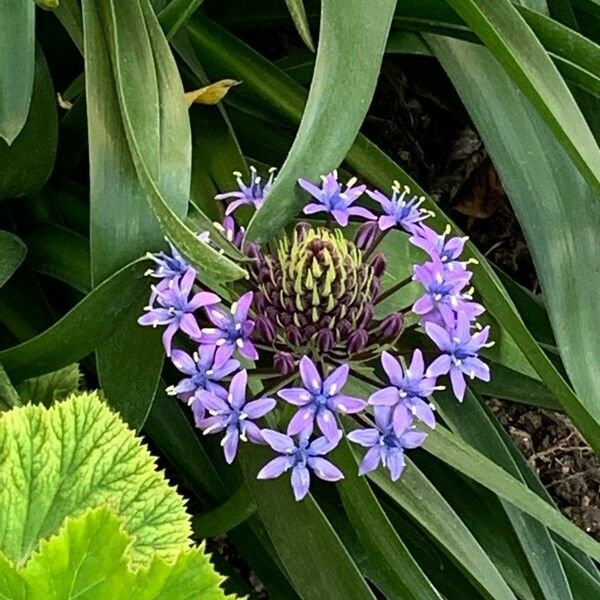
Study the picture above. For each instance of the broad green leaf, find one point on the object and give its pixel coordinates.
(143, 120)
(51, 387)
(60, 253)
(235, 510)
(418, 497)
(89, 559)
(567, 286)
(8, 394)
(175, 14)
(470, 421)
(28, 161)
(326, 570)
(17, 48)
(346, 70)
(298, 14)
(455, 452)
(501, 28)
(81, 330)
(12, 253)
(398, 573)
(78, 454)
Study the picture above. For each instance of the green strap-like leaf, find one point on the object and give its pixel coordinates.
(29, 160)
(348, 62)
(298, 14)
(81, 330)
(326, 571)
(453, 451)
(399, 575)
(418, 497)
(516, 47)
(17, 49)
(175, 14)
(12, 253)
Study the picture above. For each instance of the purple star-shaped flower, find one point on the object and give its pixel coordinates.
(320, 400)
(300, 459)
(460, 349)
(385, 445)
(331, 199)
(252, 194)
(202, 371)
(232, 330)
(443, 296)
(176, 310)
(408, 391)
(437, 246)
(234, 415)
(168, 266)
(398, 211)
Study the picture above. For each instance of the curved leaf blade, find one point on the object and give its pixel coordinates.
(507, 35)
(17, 48)
(346, 69)
(12, 253)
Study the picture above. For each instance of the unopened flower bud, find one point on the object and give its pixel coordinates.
(357, 341)
(379, 264)
(325, 340)
(392, 325)
(293, 335)
(368, 313)
(265, 329)
(284, 362)
(302, 228)
(365, 235)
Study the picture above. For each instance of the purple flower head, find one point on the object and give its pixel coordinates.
(176, 310)
(232, 414)
(443, 296)
(398, 211)
(386, 446)
(252, 194)
(408, 391)
(231, 330)
(319, 400)
(168, 266)
(460, 349)
(202, 371)
(300, 459)
(331, 199)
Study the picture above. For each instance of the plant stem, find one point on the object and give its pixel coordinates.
(396, 287)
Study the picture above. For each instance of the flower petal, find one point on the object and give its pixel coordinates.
(386, 397)
(341, 216)
(183, 362)
(417, 366)
(303, 420)
(359, 211)
(336, 381)
(259, 408)
(402, 419)
(413, 439)
(212, 402)
(371, 461)
(324, 469)
(322, 445)
(248, 350)
(297, 396)
(278, 441)
(365, 437)
(458, 383)
(274, 468)
(167, 337)
(310, 376)
(395, 464)
(243, 306)
(424, 412)
(440, 366)
(313, 207)
(392, 368)
(230, 444)
(237, 389)
(327, 424)
(440, 337)
(300, 481)
(189, 325)
(347, 404)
